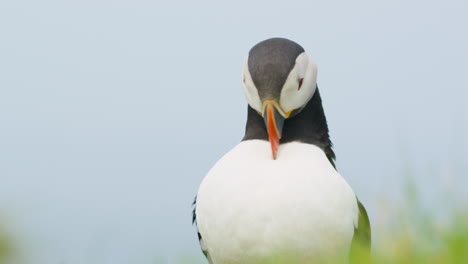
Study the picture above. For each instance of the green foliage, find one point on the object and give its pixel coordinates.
(427, 243)
(5, 248)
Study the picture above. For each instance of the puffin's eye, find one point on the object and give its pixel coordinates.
(300, 83)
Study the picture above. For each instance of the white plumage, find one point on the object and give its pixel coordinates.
(251, 208)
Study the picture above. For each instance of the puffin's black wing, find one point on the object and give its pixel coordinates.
(200, 240)
(361, 244)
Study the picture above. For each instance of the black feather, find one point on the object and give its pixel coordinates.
(308, 126)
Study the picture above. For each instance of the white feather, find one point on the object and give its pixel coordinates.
(251, 208)
(250, 90)
(291, 96)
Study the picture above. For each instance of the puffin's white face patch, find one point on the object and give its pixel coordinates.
(250, 90)
(293, 97)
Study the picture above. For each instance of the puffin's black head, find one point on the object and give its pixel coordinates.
(279, 80)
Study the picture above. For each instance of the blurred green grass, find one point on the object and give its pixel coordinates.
(6, 248)
(420, 231)
(424, 240)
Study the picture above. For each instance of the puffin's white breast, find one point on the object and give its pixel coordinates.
(251, 208)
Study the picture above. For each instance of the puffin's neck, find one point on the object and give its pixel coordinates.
(309, 126)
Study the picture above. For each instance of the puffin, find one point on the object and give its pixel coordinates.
(277, 197)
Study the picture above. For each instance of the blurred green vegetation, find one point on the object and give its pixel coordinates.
(424, 240)
(6, 249)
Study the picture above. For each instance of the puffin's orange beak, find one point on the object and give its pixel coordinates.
(274, 123)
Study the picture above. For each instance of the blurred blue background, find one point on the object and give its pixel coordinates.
(112, 112)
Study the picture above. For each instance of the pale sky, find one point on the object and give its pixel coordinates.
(112, 112)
